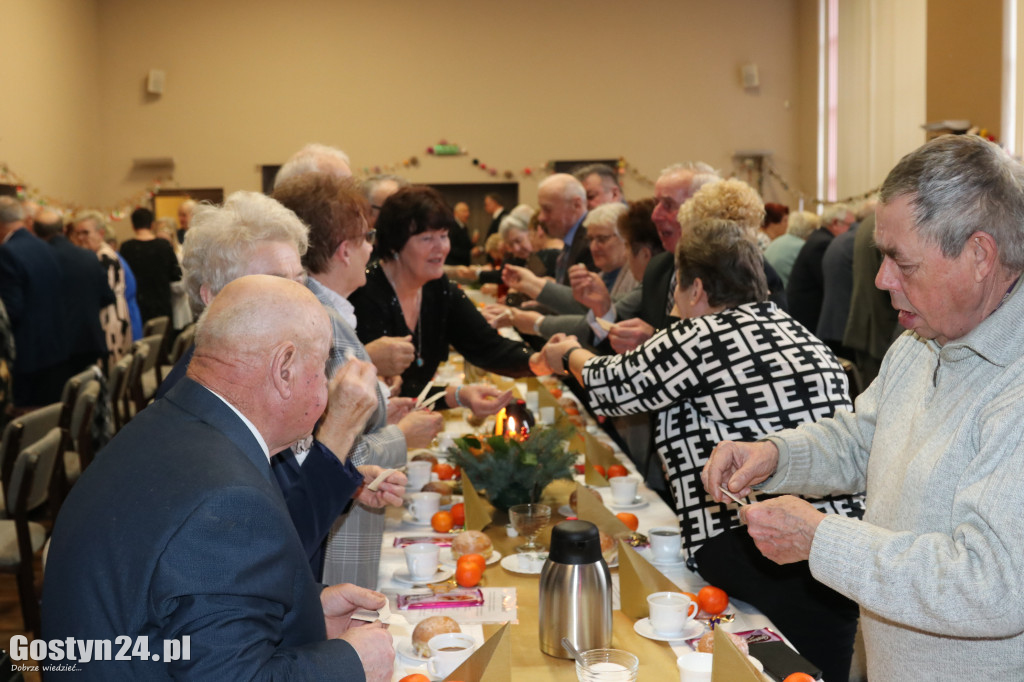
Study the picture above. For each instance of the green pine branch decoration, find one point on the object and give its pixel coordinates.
(514, 471)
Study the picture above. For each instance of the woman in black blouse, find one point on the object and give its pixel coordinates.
(407, 293)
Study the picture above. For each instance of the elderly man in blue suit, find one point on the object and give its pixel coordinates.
(177, 528)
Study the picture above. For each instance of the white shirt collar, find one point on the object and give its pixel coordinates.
(498, 212)
(339, 303)
(249, 424)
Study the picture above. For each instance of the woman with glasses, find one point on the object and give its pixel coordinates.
(408, 294)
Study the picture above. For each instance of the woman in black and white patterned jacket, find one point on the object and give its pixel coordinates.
(735, 367)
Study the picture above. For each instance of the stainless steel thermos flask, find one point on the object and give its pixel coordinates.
(575, 591)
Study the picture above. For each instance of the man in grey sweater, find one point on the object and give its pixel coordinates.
(937, 563)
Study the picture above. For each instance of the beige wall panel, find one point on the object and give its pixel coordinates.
(516, 83)
(49, 119)
(965, 60)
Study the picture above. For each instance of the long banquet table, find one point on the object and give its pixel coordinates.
(657, 659)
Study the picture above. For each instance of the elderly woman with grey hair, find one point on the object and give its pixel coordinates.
(254, 234)
(609, 254)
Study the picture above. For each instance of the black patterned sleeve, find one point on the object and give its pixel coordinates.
(662, 371)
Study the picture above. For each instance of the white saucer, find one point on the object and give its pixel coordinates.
(407, 517)
(644, 629)
(637, 503)
(512, 565)
(401, 575)
(405, 650)
(678, 563)
(448, 560)
(566, 510)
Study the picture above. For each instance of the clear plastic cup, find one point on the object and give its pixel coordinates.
(607, 665)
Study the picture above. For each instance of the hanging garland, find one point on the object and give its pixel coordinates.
(118, 211)
(825, 202)
(446, 148)
(442, 149)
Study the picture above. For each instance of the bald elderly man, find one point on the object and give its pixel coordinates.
(177, 529)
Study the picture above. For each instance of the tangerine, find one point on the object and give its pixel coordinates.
(472, 560)
(468, 575)
(599, 469)
(617, 470)
(631, 521)
(712, 600)
(415, 677)
(459, 514)
(442, 521)
(799, 677)
(444, 471)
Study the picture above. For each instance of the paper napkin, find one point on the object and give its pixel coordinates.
(491, 662)
(478, 510)
(638, 579)
(729, 664)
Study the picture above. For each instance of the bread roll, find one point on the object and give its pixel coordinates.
(471, 542)
(431, 627)
(572, 497)
(707, 643)
(609, 548)
(424, 456)
(439, 487)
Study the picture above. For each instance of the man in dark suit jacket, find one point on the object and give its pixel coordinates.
(563, 206)
(492, 204)
(806, 288)
(30, 287)
(85, 292)
(458, 237)
(872, 322)
(177, 530)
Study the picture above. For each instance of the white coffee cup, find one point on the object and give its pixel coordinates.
(422, 558)
(666, 543)
(448, 651)
(695, 667)
(422, 506)
(418, 474)
(669, 612)
(623, 489)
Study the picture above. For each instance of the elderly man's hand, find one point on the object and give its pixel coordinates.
(782, 528)
(398, 408)
(497, 315)
(351, 400)
(629, 334)
(340, 601)
(391, 354)
(522, 280)
(420, 427)
(376, 650)
(550, 356)
(390, 492)
(525, 321)
(738, 466)
(481, 399)
(589, 289)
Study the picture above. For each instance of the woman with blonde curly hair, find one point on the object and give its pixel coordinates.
(737, 201)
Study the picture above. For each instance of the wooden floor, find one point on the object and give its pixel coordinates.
(11, 623)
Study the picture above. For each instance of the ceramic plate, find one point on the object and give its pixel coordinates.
(678, 563)
(644, 629)
(448, 560)
(637, 503)
(512, 565)
(402, 576)
(405, 650)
